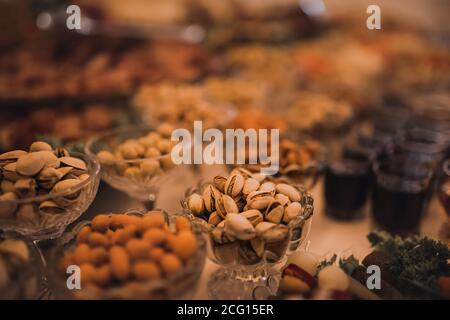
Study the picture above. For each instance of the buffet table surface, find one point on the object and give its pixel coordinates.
(327, 236)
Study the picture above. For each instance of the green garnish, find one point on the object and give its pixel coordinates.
(416, 262)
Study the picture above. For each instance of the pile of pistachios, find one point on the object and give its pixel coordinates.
(248, 216)
(39, 171)
(140, 158)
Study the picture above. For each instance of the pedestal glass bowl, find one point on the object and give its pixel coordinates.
(142, 186)
(241, 269)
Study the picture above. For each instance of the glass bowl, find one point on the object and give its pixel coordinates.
(46, 216)
(309, 154)
(181, 105)
(241, 268)
(143, 187)
(180, 285)
(25, 274)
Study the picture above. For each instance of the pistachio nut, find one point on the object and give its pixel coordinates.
(61, 152)
(250, 185)
(271, 232)
(48, 177)
(289, 191)
(292, 211)
(7, 205)
(268, 186)
(274, 212)
(30, 164)
(83, 177)
(214, 218)
(209, 197)
(25, 188)
(242, 171)
(78, 165)
(9, 171)
(40, 146)
(234, 185)
(27, 213)
(49, 158)
(219, 235)
(225, 204)
(281, 198)
(254, 216)
(240, 202)
(258, 246)
(17, 248)
(195, 204)
(219, 183)
(7, 186)
(50, 207)
(10, 156)
(259, 199)
(64, 185)
(239, 227)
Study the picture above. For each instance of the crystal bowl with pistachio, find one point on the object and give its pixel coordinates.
(250, 222)
(45, 189)
(135, 161)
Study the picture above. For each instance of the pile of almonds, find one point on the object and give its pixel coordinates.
(139, 159)
(39, 171)
(248, 216)
(126, 251)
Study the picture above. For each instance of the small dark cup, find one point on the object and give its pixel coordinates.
(444, 189)
(347, 184)
(401, 193)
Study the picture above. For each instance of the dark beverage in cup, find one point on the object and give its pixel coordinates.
(400, 195)
(347, 184)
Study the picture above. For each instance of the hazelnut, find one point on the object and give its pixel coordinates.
(137, 248)
(101, 223)
(155, 236)
(120, 263)
(98, 239)
(182, 223)
(153, 220)
(156, 254)
(170, 263)
(98, 256)
(184, 245)
(103, 275)
(81, 254)
(83, 234)
(87, 271)
(146, 270)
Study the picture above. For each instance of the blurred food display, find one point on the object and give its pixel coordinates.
(363, 118)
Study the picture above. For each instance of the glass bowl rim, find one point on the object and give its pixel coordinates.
(89, 144)
(92, 176)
